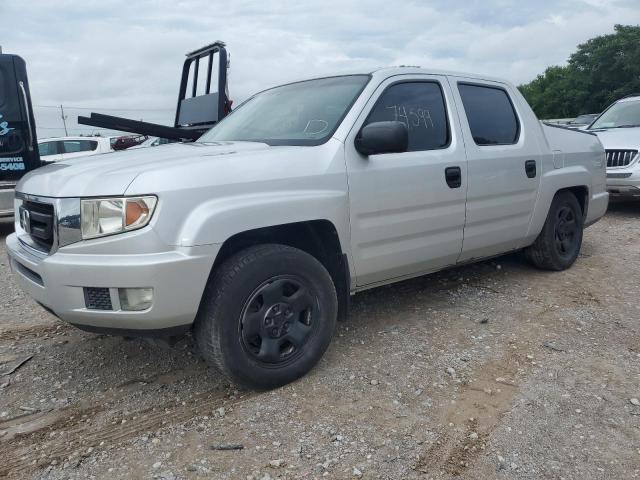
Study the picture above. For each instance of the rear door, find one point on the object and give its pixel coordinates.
(50, 150)
(406, 218)
(503, 168)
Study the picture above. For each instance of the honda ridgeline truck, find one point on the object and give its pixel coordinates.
(256, 235)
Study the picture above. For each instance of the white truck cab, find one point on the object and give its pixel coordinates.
(256, 235)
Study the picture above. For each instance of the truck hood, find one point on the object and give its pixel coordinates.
(111, 173)
(619, 138)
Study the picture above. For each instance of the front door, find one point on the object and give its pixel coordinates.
(408, 209)
(503, 167)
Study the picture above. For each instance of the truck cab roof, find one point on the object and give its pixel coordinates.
(382, 73)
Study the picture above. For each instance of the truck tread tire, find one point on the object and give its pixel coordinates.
(229, 300)
(546, 252)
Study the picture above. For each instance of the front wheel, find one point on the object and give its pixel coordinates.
(267, 316)
(558, 245)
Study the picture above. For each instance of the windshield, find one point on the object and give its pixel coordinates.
(303, 113)
(621, 114)
(583, 119)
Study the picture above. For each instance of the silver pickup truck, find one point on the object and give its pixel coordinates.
(255, 236)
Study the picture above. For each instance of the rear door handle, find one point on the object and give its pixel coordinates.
(530, 168)
(453, 176)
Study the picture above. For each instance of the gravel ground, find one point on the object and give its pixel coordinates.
(494, 370)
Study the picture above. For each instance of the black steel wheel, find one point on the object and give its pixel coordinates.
(278, 319)
(559, 242)
(566, 231)
(267, 316)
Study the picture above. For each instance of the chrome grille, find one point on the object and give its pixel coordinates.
(620, 158)
(38, 221)
(44, 224)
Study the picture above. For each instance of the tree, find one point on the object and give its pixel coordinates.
(601, 71)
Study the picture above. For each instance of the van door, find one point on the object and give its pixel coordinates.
(503, 168)
(18, 141)
(407, 215)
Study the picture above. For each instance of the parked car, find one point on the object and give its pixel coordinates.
(582, 121)
(153, 142)
(256, 235)
(62, 148)
(127, 141)
(619, 131)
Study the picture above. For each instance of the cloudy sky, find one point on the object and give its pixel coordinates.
(124, 57)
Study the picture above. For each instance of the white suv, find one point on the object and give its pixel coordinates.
(62, 148)
(619, 131)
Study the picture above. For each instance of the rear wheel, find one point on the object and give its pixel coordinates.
(267, 316)
(558, 245)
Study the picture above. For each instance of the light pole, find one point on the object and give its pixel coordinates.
(64, 121)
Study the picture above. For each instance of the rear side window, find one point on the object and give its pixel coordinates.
(74, 146)
(48, 148)
(490, 113)
(420, 106)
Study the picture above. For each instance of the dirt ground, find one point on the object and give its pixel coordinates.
(494, 370)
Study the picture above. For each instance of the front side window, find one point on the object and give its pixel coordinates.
(420, 106)
(75, 146)
(492, 118)
(303, 113)
(623, 114)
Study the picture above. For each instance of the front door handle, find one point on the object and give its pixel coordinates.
(530, 168)
(453, 176)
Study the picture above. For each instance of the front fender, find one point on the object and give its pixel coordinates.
(218, 219)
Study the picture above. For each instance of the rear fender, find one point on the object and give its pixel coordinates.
(551, 183)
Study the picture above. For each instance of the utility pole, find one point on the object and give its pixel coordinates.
(64, 121)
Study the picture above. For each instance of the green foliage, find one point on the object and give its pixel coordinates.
(601, 71)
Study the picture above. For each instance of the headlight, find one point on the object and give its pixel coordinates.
(107, 216)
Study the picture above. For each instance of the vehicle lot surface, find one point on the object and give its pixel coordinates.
(494, 370)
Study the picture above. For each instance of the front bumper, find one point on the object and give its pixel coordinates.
(623, 181)
(178, 277)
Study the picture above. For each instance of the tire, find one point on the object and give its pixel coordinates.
(267, 316)
(558, 245)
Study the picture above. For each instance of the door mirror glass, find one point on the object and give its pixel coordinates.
(382, 137)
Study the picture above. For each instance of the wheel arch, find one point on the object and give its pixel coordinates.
(318, 238)
(573, 179)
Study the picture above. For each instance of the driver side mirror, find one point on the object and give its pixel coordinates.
(382, 137)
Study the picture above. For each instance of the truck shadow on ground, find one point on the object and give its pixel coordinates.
(624, 207)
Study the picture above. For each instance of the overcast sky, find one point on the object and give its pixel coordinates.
(117, 54)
